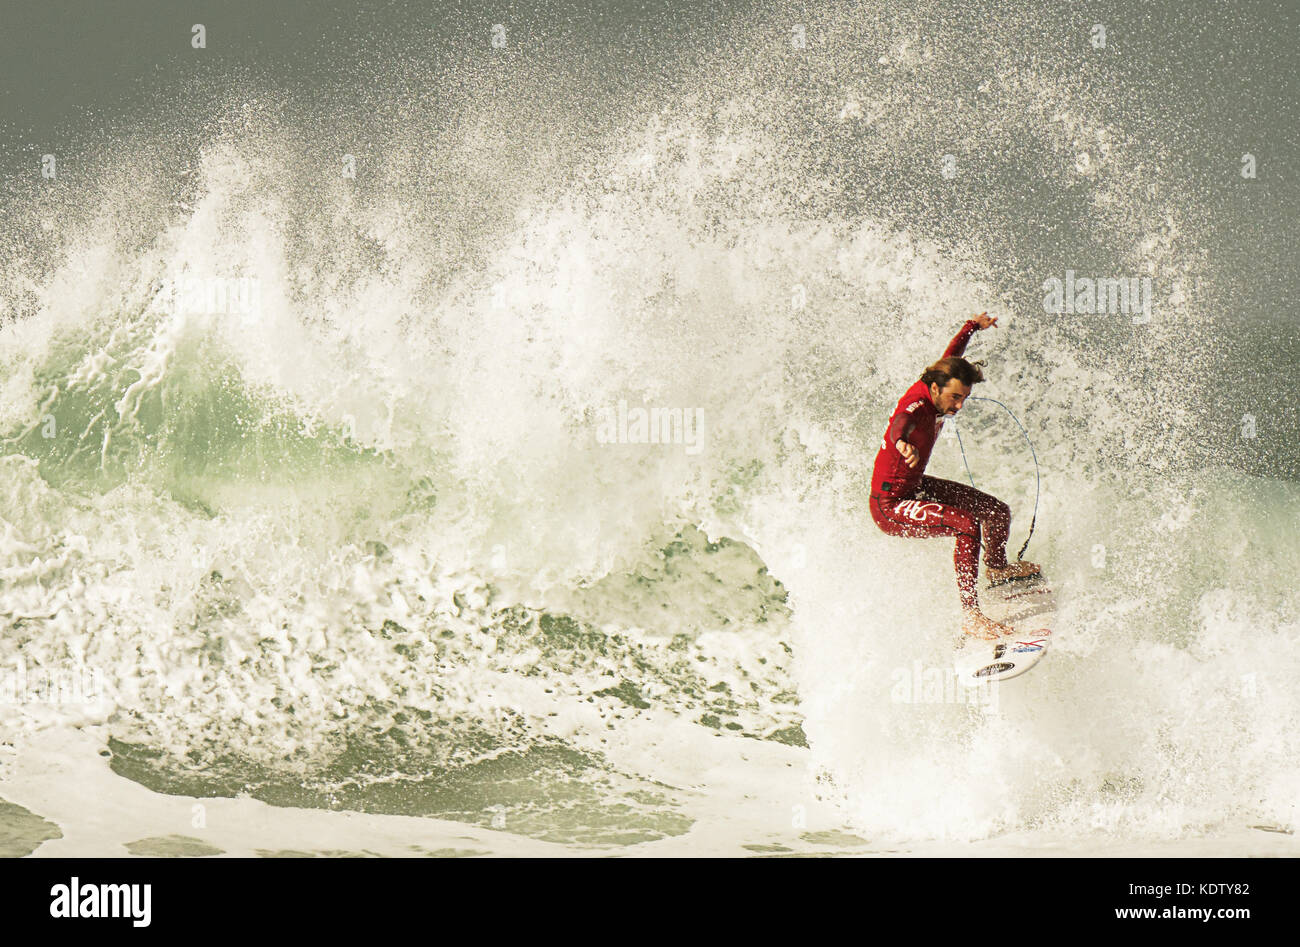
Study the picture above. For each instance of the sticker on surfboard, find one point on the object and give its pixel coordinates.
(1027, 605)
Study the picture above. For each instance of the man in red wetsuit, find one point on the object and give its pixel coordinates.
(905, 502)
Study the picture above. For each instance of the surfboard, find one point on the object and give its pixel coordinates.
(1027, 605)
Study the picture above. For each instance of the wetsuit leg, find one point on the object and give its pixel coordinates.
(921, 516)
(992, 514)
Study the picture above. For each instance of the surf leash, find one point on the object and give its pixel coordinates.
(1038, 480)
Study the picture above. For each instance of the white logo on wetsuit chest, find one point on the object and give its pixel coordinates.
(916, 510)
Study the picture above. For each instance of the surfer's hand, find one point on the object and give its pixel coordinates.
(984, 321)
(908, 452)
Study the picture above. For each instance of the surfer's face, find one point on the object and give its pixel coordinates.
(949, 401)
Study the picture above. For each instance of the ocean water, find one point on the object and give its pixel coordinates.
(326, 523)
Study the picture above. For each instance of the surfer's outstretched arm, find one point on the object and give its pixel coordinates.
(958, 344)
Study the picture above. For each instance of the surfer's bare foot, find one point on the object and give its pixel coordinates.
(1013, 570)
(979, 625)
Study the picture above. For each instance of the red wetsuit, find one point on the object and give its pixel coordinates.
(905, 502)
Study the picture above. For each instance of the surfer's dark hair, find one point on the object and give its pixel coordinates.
(946, 369)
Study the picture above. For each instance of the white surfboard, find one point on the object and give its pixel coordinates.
(1027, 605)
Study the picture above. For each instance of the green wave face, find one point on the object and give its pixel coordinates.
(113, 407)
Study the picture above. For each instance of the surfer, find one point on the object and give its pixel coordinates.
(905, 502)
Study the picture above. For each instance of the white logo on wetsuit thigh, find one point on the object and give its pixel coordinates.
(916, 510)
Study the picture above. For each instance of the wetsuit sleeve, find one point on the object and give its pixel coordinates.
(899, 428)
(958, 344)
